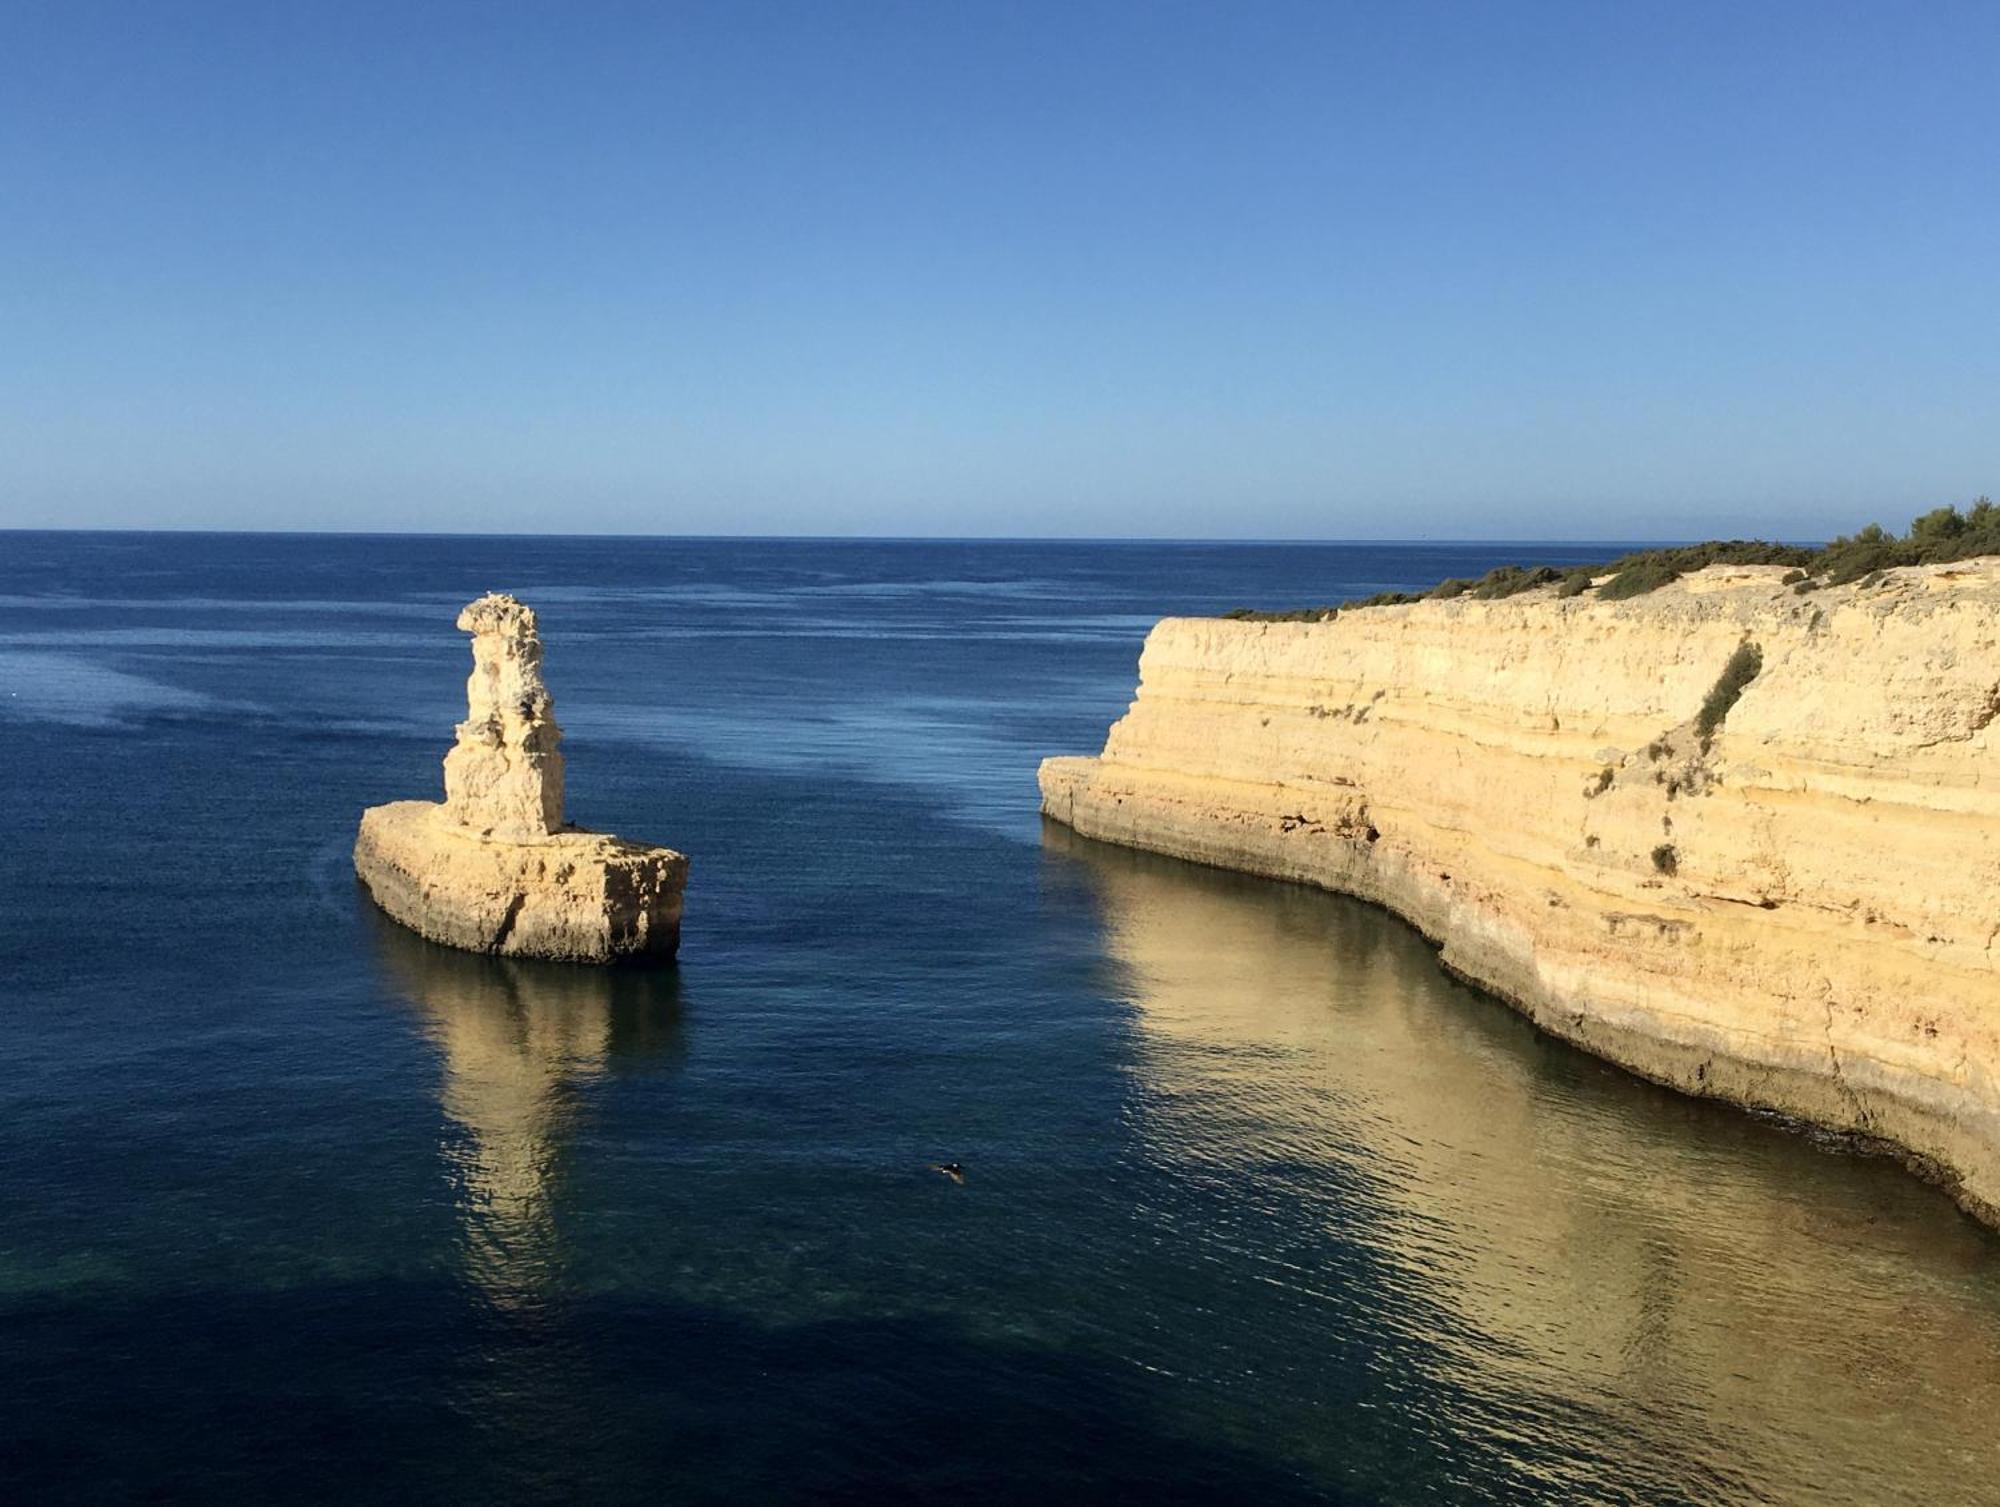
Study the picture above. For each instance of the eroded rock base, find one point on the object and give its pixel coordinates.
(572, 896)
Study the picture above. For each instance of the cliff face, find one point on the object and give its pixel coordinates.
(1788, 900)
(1593, 1241)
(494, 867)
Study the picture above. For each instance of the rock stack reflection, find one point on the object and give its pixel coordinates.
(1542, 1234)
(519, 1041)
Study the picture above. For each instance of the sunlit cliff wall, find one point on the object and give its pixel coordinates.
(1793, 907)
(1563, 1245)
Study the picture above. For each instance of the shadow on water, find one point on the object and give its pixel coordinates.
(384, 1392)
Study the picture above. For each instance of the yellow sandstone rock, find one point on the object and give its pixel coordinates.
(495, 868)
(1788, 901)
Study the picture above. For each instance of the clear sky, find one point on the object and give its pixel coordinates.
(1478, 270)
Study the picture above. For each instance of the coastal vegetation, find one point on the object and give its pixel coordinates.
(1937, 537)
(1728, 689)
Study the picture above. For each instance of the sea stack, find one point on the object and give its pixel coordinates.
(494, 867)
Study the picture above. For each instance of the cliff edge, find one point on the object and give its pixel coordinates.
(1739, 839)
(495, 867)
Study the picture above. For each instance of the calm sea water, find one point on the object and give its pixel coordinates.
(1260, 1206)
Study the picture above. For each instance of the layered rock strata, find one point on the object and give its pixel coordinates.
(495, 867)
(1739, 839)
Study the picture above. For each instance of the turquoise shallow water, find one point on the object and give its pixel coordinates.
(1260, 1206)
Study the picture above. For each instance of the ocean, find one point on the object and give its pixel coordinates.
(1259, 1205)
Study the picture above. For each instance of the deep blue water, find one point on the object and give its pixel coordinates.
(1260, 1206)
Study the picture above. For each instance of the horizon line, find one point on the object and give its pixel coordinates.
(1428, 542)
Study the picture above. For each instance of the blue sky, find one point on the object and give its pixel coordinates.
(1604, 270)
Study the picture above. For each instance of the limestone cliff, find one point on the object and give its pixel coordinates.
(494, 867)
(1592, 1240)
(1736, 838)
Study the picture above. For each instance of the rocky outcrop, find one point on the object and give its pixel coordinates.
(494, 867)
(503, 777)
(1739, 839)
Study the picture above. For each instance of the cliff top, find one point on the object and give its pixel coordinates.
(1941, 536)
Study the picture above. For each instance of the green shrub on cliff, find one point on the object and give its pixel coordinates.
(1728, 690)
(1849, 559)
(1511, 580)
(1639, 578)
(1297, 615)
(1937, 537)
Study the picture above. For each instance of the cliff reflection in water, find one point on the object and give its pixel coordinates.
(1565, 1251)
(519, 1040)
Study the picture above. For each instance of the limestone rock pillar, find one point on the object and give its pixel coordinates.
(495, 867)
(504, 776)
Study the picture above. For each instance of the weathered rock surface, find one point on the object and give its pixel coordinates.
(503, 777)
(1794, 909)
(494, 867)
